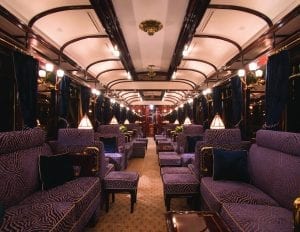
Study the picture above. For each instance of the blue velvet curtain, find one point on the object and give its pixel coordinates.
(107, 112)
(204, 107)
(99, 109)
(237, 100)
(277, 76)
(64, 96)
(217, 100)
(85, 99)
(26, 73)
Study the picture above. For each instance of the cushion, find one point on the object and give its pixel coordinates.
(55, 170)
(230, 165)
(110, 144)
(206, 162)
(191, 143)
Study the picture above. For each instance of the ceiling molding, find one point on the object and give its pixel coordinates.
(111, 82)
(107, 16)
(56, 10)
(100, 61)
(109, 70)
(194, 13)
(129, 92)
(189, 81)
(243, 9)
(62, 48)
(220, 38)
(202, 61)
(193, 70)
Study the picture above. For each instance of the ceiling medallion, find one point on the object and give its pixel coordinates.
(150, 26)
(151, 72)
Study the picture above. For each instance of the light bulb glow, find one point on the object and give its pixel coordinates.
(42, 73)
(60, 73)
(241, 72)
(49, 67)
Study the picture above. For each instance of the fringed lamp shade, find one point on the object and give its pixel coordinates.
(217, 123)
(126, 122)
(176, 122)
(114, 120)
(187, 121)
(85, 123)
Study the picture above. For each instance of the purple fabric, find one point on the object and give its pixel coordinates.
(175, 170)
(285, 142)
(192, 129)
(19, 173)
(39, 217)
(169, 159)
(80, 192)
(187, 158)
(180, 184)
(21, 140)
(71, 136)
(276, 173)
(222, 136)
(121, 180)
(111, 131)
(258, 218)
(215, 193)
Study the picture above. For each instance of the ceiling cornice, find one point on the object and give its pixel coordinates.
(107, 15)
(194, 14)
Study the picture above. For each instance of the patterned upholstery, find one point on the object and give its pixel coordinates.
(175, 170)
(180, 184)
(121, 180)
(188, 130)
(279, 151)
(260, 218)
(40, 217)
(80, 192)
(169, 159)
(215, 193)
(27, 208)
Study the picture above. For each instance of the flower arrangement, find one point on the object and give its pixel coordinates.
(123, 128)
(178, 129)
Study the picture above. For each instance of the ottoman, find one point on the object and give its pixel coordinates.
(180, 185)
(175, 170)
(169, 158)
(121, 182)
(144, 140)
(139, 149)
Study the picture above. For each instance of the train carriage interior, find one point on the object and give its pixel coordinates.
(188, 108)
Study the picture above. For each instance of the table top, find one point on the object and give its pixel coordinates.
(194, 221)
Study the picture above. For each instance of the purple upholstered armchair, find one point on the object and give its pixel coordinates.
(222, 138)
(76, 140)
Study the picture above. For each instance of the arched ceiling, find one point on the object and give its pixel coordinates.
(82, 36)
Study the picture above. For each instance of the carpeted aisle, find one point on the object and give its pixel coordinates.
(149, 210)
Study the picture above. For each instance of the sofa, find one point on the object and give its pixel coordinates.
(266, 202)
(66, 207)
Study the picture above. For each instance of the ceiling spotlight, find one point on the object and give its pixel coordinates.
(150, 26)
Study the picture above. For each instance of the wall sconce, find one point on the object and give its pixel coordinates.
(190, 100)
(42, 73)
(96, 92)
(60, 73)
(186, 51)
(128, 76)
(174, 75)
(116, 51)
(187, 121)
(207, 91)
(252, 77)
(49, 67)
(85, 123)
(217, 123)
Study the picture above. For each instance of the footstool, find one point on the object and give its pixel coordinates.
(117, 159)
(175, 170)
(121, 182)
(180, 185)
(139, 149)
(144, 140)
(169, 158)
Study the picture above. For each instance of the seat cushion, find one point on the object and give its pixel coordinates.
(187, 158)
(110, 144)
(121, 180)
(80, 192)
(180, 184)
(215, 193)
(175, 170)
(40, 217)
(259, 218)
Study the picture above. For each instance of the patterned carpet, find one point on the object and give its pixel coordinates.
(148, 215)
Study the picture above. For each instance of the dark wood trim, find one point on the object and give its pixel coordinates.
(109, 70)
(56, 10)
(179, 93)
(173, 98)
(111, 82)
(107, 16)
(194, 14)
(193, 70)
(243, 9)
(220, 38)
(202, 61)
(100, 61)
(95, 36)
(189, 81)
(123, 94)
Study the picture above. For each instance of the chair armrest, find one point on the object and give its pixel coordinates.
(53, 145)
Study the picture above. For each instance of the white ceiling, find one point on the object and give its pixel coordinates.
(236, 25)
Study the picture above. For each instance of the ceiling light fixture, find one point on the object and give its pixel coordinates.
(150, 26)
